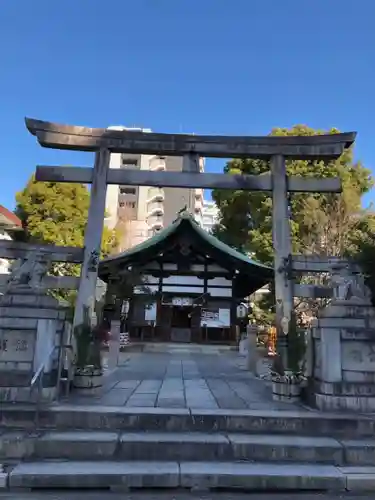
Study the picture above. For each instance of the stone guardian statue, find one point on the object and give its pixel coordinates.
(349, 284)
(28, 272)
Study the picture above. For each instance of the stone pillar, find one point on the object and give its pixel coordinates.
(283, 250)
(93, 238)
(114, 345)
(251, 354)
(309, 356)
(30, 326)
(344, 354)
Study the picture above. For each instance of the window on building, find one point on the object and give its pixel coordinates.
(129, 204)
(139, 233)
(127, 190)
(131, 162)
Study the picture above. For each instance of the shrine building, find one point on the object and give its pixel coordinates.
(192, 285)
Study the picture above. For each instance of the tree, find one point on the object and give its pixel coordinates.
(365, 257)
(321, 223)
(56, 213)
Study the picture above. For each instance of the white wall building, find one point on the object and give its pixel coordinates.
(4, 263)
(9, 223)
(141, 210)
(210, 215)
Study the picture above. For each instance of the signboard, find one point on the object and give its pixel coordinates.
(210, 318)
(224, 317)
(210, 315)
(215, 318)
(182, 301)
(150, 312)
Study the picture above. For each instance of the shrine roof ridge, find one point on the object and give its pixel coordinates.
(53, 135)
(186, 217)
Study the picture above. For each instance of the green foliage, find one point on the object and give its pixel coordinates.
(56, 213)
(365, 257)
(321, 222)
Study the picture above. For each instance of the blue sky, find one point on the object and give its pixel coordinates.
(203, 66)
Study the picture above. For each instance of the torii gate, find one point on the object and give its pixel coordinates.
(275, 149)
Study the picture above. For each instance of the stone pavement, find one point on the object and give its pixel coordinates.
(181, 495)
(182, 379)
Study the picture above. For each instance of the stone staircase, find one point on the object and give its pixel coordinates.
(116, 447)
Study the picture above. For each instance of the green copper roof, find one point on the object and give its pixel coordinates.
(164, 233)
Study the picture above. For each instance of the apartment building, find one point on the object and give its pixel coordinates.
(9, 224)
(139, 212)
(210, 215)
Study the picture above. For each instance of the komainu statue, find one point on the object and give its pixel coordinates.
(29, 271)
(349, 284)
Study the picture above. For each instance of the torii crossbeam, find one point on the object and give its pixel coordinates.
(274, 148)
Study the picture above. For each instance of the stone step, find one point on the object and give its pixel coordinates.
(171, 446)
(197, 475)
(96, 417)
(183, 446)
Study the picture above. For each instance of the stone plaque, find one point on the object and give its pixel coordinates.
(363, 334)
(16, 346)
(358, 356)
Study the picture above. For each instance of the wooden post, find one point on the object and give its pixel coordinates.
(283, 250)
(93, 237)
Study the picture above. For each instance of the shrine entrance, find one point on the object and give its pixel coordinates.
(273, 149)
(192, 285)
(181, 323)
(181, 317)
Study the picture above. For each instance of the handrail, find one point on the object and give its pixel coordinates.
(38, 379)
(41, 368)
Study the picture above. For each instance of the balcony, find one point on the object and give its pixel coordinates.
(154, 208)
(155, 194)
(155, 221)
(157, 164)
(198, 204)
(199, 193)
(126, 198)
